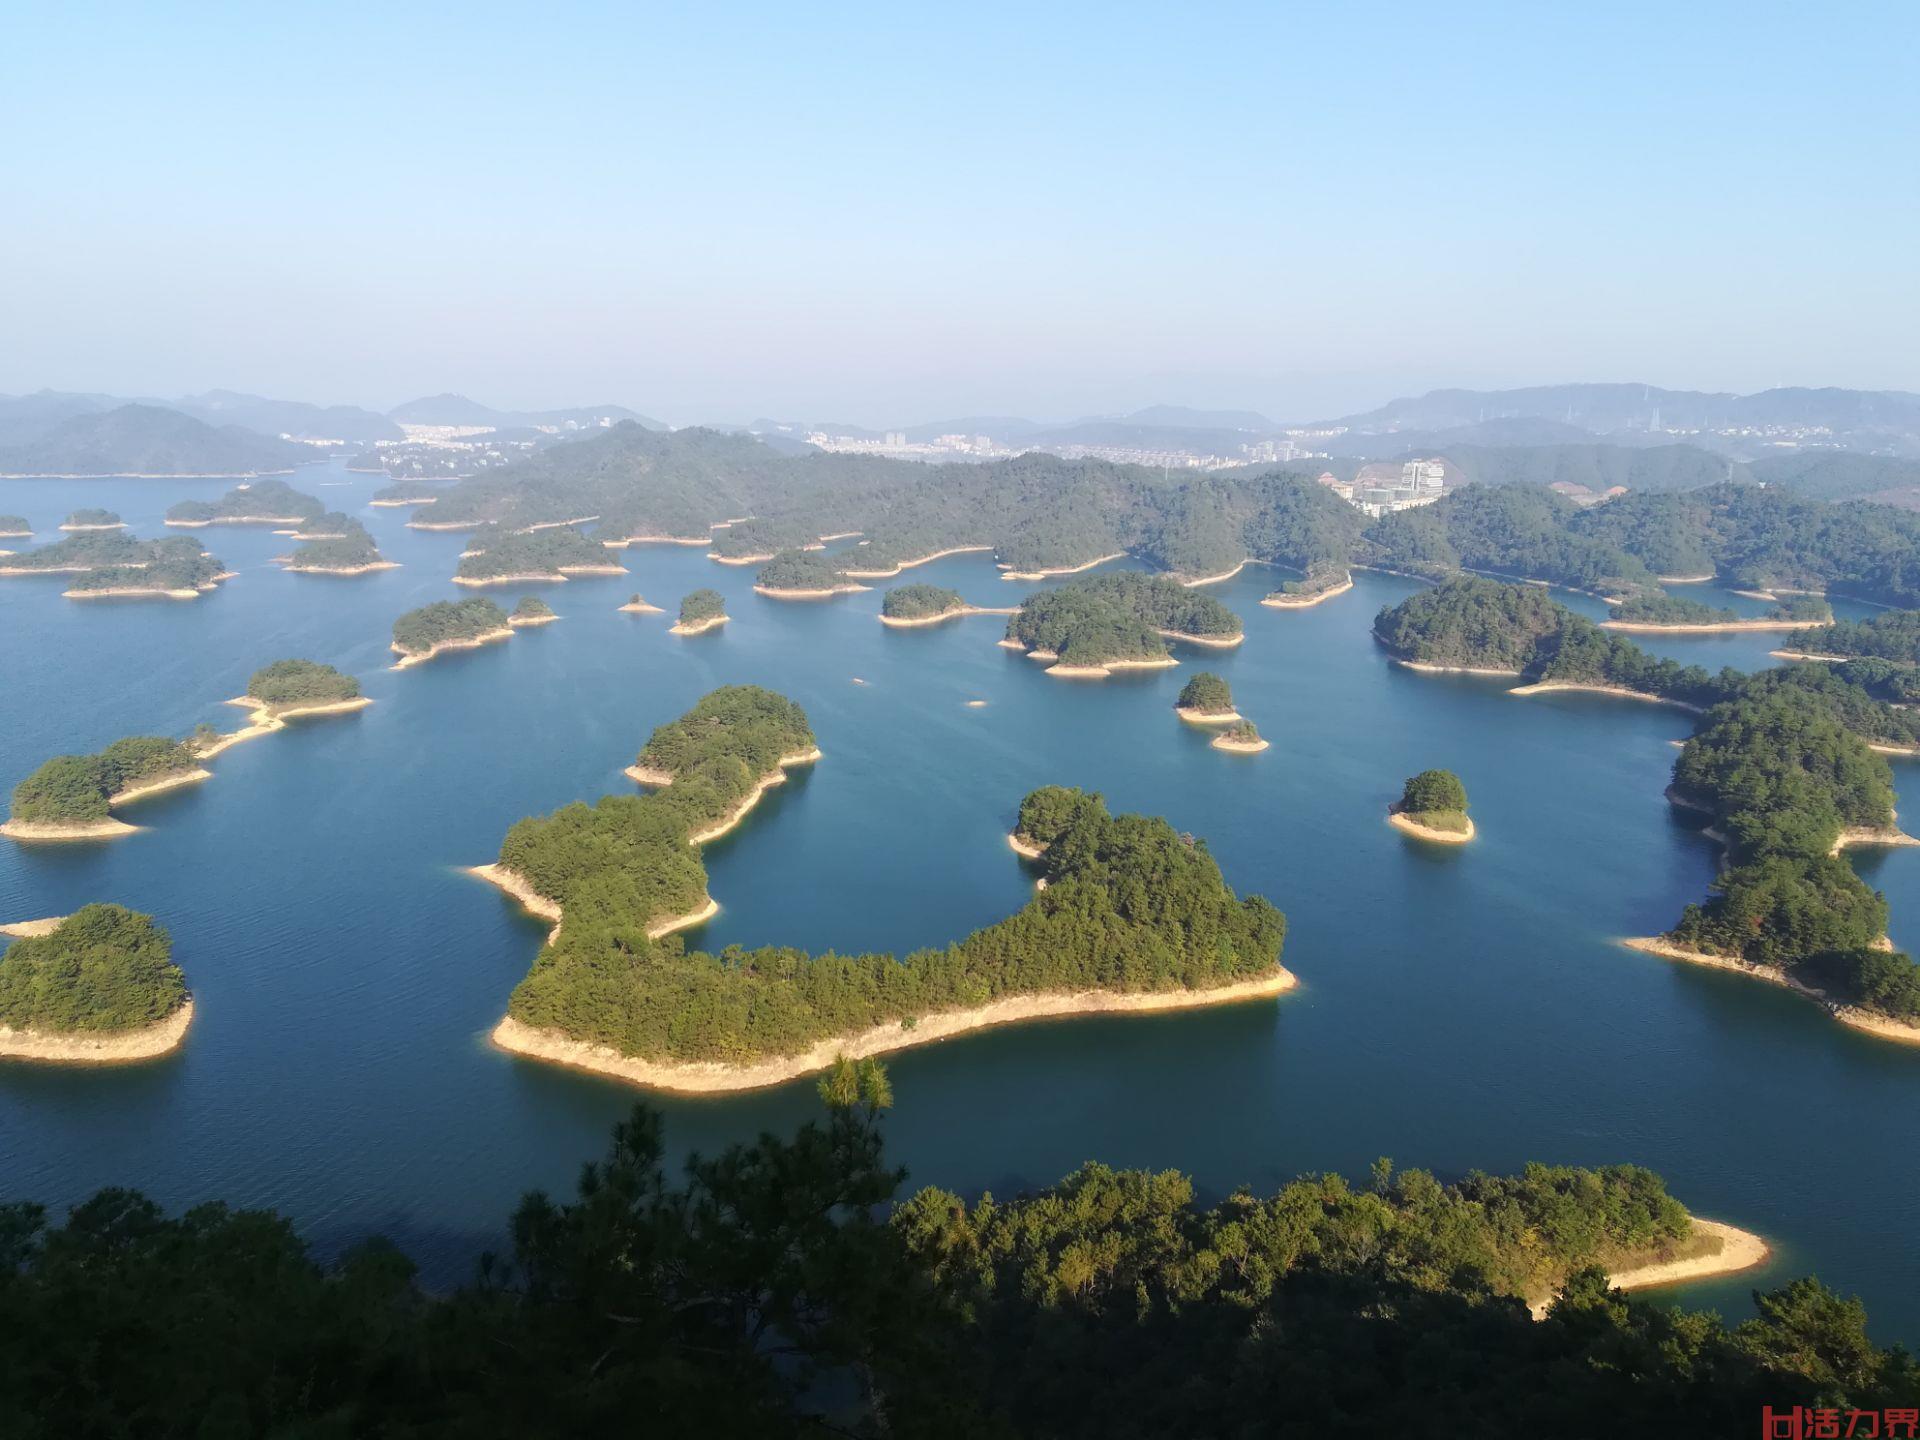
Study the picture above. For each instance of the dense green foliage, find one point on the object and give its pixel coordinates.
(1207, 693)
(531, 607)
(1480, 624)
(1433, 792)
(418, 631)
(113, 560)
(75, 789)
(1894, 635)
(1895, 681)
(88, 551)
(262, 500)
(15, 525)
(781, 1289)
(352, 552)
(1514, 530)
(1240, 732)
(919, 602)
(736, 722)
(1671, 610)
(800, 570)
(702, 605)
(104, 969)
(1321, 577)
(88, 516)
(1117, 617)
(1129, 906)
(495, 554)
(301, 682)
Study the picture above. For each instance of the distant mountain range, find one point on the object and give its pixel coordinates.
(459, 410)
(148, 440)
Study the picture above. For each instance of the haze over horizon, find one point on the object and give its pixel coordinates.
(884, 219)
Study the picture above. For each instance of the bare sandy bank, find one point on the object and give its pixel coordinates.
(137, 592)
(366, 569)
(1210, 642)
(110, 1048)
(297, 534)
(1427, 668)
(1719, 1249)
(445, 524)
(1023, 847)
(640, 608)
(37, 832)
(758, 558)
(420, 657)
(1645, 627)
(698, 627)
(33, 929)
(1239, 747)
(264, 719)
(1861, 837)
(556, 576)
(658, 540)
(1756, 594)
(531, 900)
(1684, 579)
(67, 569)
(839, 535)
(1200, 580)
(397, 504)
(89, 529)
(825, 592)
(159, 787)
(235, 520)
(1280, 600)
(696, 1077)
(1107, 668)
(1207, 717)
(1409, 826)
(917, 560)
(1867, 1021)
(1010, 574)
(1546, 687)
(15, 534)
(556, 524)
(1810, 655)
(917, 621)
(647, 775)
(1880, 749)
(525, 622)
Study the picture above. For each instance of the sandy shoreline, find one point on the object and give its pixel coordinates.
(954, 614)
(159, 787)
(698, 627)
(263, 719)
(1211, 642)
(658, 540)
(1648, 627)
(525, 622)
(1280, 600)
(1853, 1016)
(236, 520)
(113, 1048)
(1207, 717)
(916, 561)
(757, 558)
(1812, 655)
(1738, 1250)
(1239, 747)
(36, 832)
(646, 775)
(1547, 687)
(395, 504)
(1427, 668)
(366, 569)
(1409, 826)
(1023, 847)
(711, 1077)
(559, 575)
(137, 592)
(516, 886)
(1010, 574)
(775, 592)
(1107, 668)
(1214, 579)
(91, 529)
(420, 657)
(1684, 579)
(641, 609)
(32, 929)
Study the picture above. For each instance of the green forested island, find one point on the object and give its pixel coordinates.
(91, 551)
(805, 571)
(531, 610)
(1242, 736)
(92, 519)
(1110, 1305)
(1435, 800)
(1894, 635)
(288, 684)
(700, 610)
(499, 557)
(1130, 908)
(12, 527)
(1122, 618)
(447, 623)
(1206, 697)
(1659, 609)
(350, 553)
(260, 503)
(920, 602)
(103, 969)
(107, 560)
(76, 789)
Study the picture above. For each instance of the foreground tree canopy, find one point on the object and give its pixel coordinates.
(75, 789)
(789, 1287)
(105, 969)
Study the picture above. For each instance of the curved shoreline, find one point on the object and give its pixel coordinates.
(1104, 669)
(1648, 627)
(136, 592)
(1814, 655)
(474, 642)
(1412, 827)
(109, 1048)
(698, 627)
(365, 569)
(713, 1077)
(775, 592)
(1739, 1250)
(1207, 717)
(1426, 667)
(1853, 1016)
(33, 929)
(559, 575)
(263, 719)
(1008, 573)
(1685, 579)
(1210, 642)
(641, 609)
(238, 520)
(40, 831)
(1214, 579)
(646, 775)
(1547, 687)
(916, 561)
(1281, 600)
(92, 529)
(1023, 847)
(527, 622)
(658, 540)
(914, 621)
(1238, 747)
(160, 786)
(754, 559)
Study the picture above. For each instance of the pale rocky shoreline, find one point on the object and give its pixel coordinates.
(111, 1048)
(1852, 1016)
(409, 658)
(1045, 574)
(699, 627)
(1281, 600)
(1738, 1250)
(1409, 826)
(916, 621)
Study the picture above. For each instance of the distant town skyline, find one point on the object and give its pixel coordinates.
(881, 217)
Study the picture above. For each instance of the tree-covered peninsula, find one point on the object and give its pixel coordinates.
(102, 986)
(803, 575)
(1433, 806)
(700, 610)
(264, 502)
(1091, 626)
(1655, 612)
(1894, 635)
(919, 604)
(421, 634)
(299, 685)
(107, 562)
(1206, 699)
(90, 518)
(1671, 610)
(69, 796)
(1111, 1305)
(1133, 916)
(497, 557)
(1323, 581)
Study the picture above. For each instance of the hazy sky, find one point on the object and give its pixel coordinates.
(887, 213)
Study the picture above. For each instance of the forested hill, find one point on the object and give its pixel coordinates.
(147, 440)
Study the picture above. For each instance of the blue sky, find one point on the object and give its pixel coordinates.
(887, 213)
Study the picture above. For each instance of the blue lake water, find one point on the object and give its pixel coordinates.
(1459, 1010)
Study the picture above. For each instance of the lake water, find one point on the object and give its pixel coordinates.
(1458, 1010)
